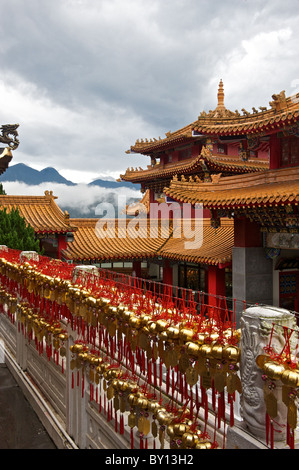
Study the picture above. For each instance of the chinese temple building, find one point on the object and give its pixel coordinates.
(188, 155)
(264, 205)
(192, 153)
(51, 225)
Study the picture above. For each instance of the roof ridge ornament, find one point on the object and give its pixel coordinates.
(220, 112)
(279, 101)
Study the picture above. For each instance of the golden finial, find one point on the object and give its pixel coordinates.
(220, 95)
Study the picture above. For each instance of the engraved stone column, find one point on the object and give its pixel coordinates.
(256, 327)
(85, 271)
(28, 255)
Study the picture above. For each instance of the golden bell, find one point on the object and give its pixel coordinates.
(123, 385)
(203, 445)
(161, 325)
(145, 319)
(217, 351)
(83, 356)
(142, 403)
(163, 335)
(163, 417)
(76, 348)
(205, 350)
(132, 399)
(180, 429)
(63, 336)
(153, 406)
(273, 370)
(189, 439)
(193, 349)
(186, 334)
(200, 339)
(170, 431)
(173, 332)
(152, 327)
(231, 353)
(290, 377)
(134, 322)
(126, 315)
(97, 361)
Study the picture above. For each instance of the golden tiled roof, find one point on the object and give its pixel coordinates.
(216, 246)
(215, 163)
(179, 137)
(283, 112)
(120, 242)
(269, 187)
(41, 212)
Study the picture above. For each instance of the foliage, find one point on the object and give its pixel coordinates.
(15, 233)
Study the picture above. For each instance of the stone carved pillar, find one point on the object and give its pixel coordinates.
(28, 255)
(256, 327)
(81, 270)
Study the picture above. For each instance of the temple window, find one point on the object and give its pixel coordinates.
(167, 158)
(185, 153)
(289, 151)
(222, 148)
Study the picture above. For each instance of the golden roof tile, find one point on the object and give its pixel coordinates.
(267, 187)
(121, 240)
(216, 163)
(216, 246)
(41, 212)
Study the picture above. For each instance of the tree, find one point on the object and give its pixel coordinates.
(15, 233)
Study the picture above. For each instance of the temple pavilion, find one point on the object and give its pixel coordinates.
(263, 205)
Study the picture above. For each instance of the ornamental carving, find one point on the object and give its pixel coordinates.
(9, 135)
(257, 328)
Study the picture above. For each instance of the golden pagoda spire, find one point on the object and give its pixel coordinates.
(220, 112)
(220, 96)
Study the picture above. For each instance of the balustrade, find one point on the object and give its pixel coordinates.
(128, 367)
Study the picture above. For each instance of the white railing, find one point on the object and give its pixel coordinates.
(83, 408)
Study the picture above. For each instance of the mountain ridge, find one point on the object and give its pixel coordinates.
(25, 174)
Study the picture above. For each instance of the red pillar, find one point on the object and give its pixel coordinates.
(246, 233)
(216, 290)
(167, 273)
(137, 268)
(216, 284)
(274, 152)
(62, 243)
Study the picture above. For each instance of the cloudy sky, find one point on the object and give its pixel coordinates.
(86, 78)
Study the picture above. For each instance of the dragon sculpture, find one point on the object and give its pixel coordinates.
(9, 135)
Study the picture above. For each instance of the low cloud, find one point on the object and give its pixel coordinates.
(81, 200)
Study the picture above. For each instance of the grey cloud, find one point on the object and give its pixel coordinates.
(107, 72)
